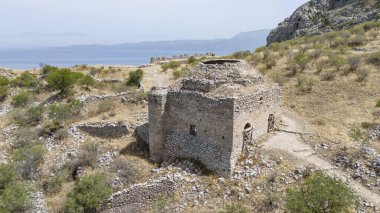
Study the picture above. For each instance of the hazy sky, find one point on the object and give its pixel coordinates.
(43, 23)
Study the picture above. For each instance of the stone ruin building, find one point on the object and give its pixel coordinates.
(212, 115)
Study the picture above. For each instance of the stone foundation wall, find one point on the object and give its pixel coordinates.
(212, 156)
(105, 130)
(141, 197)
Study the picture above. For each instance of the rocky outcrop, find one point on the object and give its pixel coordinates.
(319, 16)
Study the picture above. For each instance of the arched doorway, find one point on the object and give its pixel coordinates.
(247, 136)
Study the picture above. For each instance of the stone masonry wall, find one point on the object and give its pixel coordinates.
(140, 197)
(212, 117)
(105, 130)
(212, 156)
(255, 110)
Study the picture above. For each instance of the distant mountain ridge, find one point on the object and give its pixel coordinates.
(242, 41)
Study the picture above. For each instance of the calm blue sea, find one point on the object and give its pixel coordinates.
(28, 59)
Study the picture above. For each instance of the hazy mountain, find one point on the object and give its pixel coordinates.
(242, 41)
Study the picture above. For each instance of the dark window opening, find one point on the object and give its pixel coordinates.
(223, 137)
(220, 61)
(193, 130)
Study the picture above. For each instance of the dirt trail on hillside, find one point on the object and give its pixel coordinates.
(289, 139)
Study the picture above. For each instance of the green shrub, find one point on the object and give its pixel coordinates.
(135, 78)
(277, 77)
(54, 184)
(31, 117)
(165, 67)
(50, 126)
(357, 40)
(65, 111)
(88, 155)
(7, 175)
(4, 81)
(87, 81)
(15, 198)
(374, 58)
(362, 75)
(174, 64)
(28, 159)
(356, 134)
(241, 54)
(337, 62)
(329, 76)
(320, 193)
(353, 63)
(24, 137)
(305, 83)
(234, 208)
(88, 194)
(378, 104)
(269, 59)
(47, 69)
(62, 79)
(180, 73)
(301, 59)
(191, 60)
(21, 99)
(25, 80)
(3, 93)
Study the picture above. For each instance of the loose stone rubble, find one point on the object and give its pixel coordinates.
(100, 129)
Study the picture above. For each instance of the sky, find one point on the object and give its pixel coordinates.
(28, 24)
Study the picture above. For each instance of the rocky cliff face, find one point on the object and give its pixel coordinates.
(318, 16)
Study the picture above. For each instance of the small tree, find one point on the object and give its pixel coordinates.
(320, 193)
(88, 194)
(135, 78)
(87, 81)
(62, 79)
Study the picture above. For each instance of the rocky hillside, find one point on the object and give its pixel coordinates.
(318, 16)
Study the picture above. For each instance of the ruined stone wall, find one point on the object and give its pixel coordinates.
(157, 123)
(255, 110)
(140, 197)
(105, 130)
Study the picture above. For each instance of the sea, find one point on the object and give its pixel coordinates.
(29, 59)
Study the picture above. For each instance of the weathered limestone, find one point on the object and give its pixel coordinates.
(212, 115)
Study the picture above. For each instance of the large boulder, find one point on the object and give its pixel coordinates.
(319, 16)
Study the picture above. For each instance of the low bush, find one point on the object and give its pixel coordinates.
(301, 59)
(22, 98)
(15, 197)
(165, 67)
(47, 69)
(88, 194)
(353, 63)
(337, 62)
(320, 193)
(241, 54)
(357, 40)
(180, 73)
(305, 83)
(278, 77)
(87, 81)
(126, 170)
(31, 117)
(4, 81)
(61, 134)
(191, 60)
(88, 155)
(24, 137)
(7, 175)
(54, 184)
(174, 64)
(135, 78)
(362, 75)
(26, 79)
(65, 111)
(374, 58)
(3, 93)
(28, 159)
(356, 134)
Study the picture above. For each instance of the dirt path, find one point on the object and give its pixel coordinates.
(288, 140)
